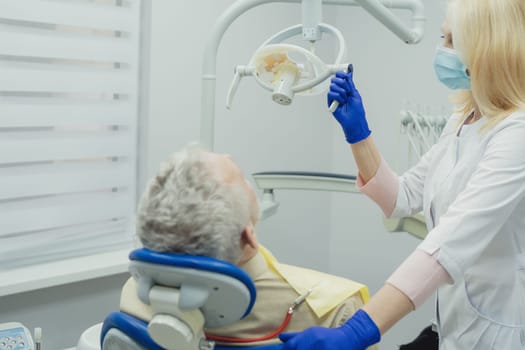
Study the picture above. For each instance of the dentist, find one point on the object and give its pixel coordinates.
(470, 187)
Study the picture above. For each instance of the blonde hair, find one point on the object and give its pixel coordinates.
(489, 37)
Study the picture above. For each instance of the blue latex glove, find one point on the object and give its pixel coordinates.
(358, 333)
(350, 113)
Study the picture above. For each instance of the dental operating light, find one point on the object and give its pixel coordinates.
(287, 70)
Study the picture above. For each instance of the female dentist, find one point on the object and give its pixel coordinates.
(470, 186)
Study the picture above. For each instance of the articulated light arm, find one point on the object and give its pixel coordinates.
(380, 9)
(298, 180)
(290, 180)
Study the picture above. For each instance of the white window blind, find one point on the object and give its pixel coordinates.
(69, 82)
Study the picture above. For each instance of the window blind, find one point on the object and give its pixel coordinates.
(69, 109)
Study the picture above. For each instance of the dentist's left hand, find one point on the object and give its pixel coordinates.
(350, 113)
(358, 333)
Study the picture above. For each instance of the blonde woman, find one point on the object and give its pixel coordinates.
(470, 186)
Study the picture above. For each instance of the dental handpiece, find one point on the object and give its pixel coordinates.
(335, 104)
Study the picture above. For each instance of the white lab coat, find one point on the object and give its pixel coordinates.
(471, 189)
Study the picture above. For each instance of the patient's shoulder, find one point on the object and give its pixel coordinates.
(346, 309)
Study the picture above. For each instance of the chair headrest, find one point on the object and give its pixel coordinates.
(222, 291)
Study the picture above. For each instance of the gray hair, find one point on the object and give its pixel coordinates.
(187, 209)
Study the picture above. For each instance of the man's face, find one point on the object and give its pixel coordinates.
(230, 173)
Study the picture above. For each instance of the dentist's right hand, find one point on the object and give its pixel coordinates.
(358, 333)
(350, 113)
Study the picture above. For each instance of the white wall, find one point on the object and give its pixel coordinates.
(338, 233)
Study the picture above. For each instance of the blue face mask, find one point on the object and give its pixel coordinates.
(450, 70)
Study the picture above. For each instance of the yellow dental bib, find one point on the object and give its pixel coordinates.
(327, 291)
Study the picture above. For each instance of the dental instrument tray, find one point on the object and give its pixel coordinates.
(15, 336)
(301, 180)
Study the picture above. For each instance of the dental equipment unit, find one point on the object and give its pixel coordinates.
(16, 336)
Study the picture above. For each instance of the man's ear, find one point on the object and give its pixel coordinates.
(248, 237)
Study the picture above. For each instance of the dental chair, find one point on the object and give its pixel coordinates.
(187, 294)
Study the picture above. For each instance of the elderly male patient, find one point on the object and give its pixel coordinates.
(201, 204)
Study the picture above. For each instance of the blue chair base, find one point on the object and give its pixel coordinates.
(137, 330)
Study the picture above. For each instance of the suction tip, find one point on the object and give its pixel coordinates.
(350, 68)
